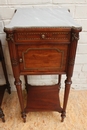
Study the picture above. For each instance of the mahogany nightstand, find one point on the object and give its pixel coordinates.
(42, 41)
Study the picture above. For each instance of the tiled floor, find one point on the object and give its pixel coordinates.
(76, 114)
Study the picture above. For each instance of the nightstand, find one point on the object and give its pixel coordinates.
(42, 41)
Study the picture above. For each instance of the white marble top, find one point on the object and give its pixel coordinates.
(42, 17)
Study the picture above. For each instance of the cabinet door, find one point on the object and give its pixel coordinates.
(42, 58)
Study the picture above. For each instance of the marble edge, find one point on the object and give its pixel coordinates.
(45, 27)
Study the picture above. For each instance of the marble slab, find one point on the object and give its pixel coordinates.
(42, 17)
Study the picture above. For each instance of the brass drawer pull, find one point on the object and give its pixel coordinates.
(20, 60)
(43, 36)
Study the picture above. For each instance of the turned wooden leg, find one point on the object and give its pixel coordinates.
(2, 115)
(59, 81)
(26, 82)
(69, 72)
(19, 91)
(66, 94)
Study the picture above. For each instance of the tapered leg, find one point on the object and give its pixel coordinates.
(19, 91)
(2, 115)
(69, 72)
(66, 94)
(26, 82)
(59, 81)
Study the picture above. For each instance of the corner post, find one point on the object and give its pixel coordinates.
(70, 66)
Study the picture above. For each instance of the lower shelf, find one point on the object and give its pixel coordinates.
(43, 98)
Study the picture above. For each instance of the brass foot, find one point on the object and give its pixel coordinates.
(24, 116)
(63, 115)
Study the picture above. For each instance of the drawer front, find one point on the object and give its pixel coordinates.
(52, 37)
(40, 59)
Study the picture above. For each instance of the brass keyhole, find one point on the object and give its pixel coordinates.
(20, 60)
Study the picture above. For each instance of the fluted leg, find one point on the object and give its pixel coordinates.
(59, 81)
(66, 94)
(19, 91)
(26, 82)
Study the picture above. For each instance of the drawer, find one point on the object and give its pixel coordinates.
(40, 37)
(47, 59)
